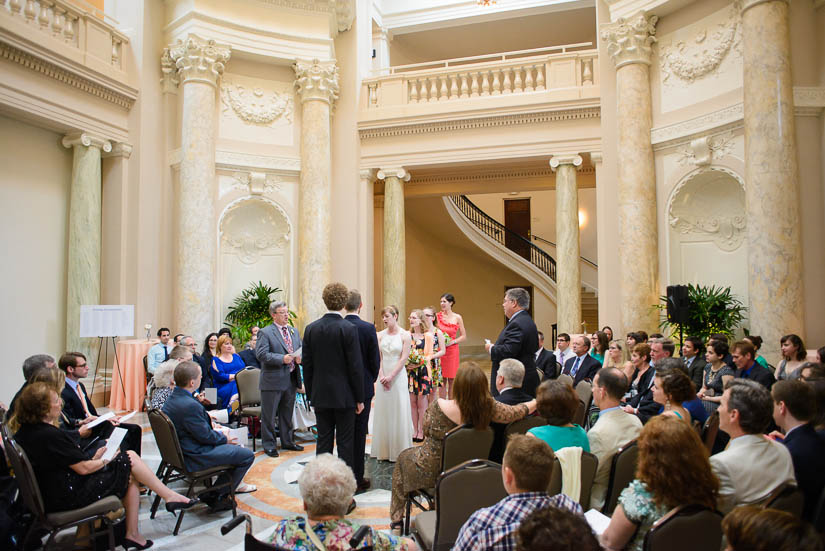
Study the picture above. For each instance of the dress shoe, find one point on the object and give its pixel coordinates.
(351, 507)
(181, 505)
(128, 544)
(363, 486)
(293, 447)
(272, 453)
(225, 503)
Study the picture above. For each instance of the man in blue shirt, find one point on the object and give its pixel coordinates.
(159, 353)
(526, 472)
(744, 356)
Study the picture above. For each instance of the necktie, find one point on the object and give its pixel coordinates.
(288, 341)
(82, 399)
(165, 353)
(575, 366)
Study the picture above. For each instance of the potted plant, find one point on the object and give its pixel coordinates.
(712, 310)
(250, 309)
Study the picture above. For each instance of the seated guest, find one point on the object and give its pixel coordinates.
(209, 351)
(557, 402)
(747, 368)
(812, 370)
(69, 478)
(526, 473)
(225, 331)
(600, 345)
(509, 376)
(671, 388)
(614, 428)
(164, 382)
(563, 350)
(693, 354)
(224, 367)
(756, 529)
(327, 486)
(642, 379)
(581, 366)
(203, 446)
(30, 366)
(717, 375)
(756, 341)
(555, 529)
(794, 407)
(752, 466)
(253, 337)
(546, 361)
(418, 467)
(248, 353)
(79, 409)
(616, 355)
(159, 353)
(673, 470)
(793, 356)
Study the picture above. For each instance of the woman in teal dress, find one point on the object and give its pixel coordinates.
(327, 486)
(557, 402)
(673, 469)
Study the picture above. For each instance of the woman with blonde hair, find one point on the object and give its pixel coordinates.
(419, 371)
(418, 467)
(439, 349)
(616, 354)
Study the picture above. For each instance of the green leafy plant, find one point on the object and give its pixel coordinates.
(250, 309)
(713, 310)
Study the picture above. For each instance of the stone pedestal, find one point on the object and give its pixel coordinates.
(629, 45)
(771, 172)
(317, 84)
(568, 269)
(83, 256)
(395, 254)
(199, 65)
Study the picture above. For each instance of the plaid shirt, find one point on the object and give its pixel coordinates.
(494, 528)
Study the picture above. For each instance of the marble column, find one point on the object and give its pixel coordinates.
(395, 254)
(771, 172)
(317, 85)
(85, 215)
(629, 43)
(568, 269)
(366, 231)
(199, 64)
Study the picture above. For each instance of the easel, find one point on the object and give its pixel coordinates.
(103, 344)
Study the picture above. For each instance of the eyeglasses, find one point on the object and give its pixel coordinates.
(429, 315)
(81, 365)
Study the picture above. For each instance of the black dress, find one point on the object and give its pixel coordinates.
(51, 451)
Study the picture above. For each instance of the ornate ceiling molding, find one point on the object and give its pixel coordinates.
(481, 122)
(343, 10)
(675, 134)
(120, 97)
(233, 161)
(492, 176)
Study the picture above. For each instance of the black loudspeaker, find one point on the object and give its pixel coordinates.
(678, 303)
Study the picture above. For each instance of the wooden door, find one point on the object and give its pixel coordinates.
(517, 220)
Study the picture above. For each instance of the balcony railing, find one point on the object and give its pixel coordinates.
(521, 72)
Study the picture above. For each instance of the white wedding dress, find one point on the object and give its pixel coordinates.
(392, 420)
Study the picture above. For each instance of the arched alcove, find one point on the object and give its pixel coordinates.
(255, 245)
(707, 223)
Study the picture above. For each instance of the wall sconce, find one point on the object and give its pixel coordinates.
(582, 218)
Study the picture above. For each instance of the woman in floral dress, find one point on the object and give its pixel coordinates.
(439, 349)
(419, 372)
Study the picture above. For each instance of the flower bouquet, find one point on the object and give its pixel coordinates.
(415, 360)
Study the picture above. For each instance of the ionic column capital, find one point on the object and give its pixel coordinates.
(197, 59)
(557, 160)
(748, 4)
(367, 174)
(596, 157)
(119, 149)
(88, 140)
(317, 80)
(398, 172)
(630, 40)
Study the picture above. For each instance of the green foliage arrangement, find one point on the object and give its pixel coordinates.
(713, 310)
(251, 308)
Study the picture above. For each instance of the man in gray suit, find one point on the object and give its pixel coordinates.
(280, 378)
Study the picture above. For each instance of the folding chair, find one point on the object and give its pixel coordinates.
(685, 528)
(459, 493)
(566, 379)
(622, 473)
(786, 497)
(108, 510)
(589, 466)
(710, 430)
(523, 425)
(249, 396)
(175, 467)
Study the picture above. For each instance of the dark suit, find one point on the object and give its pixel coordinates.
(202, 446)
(807, 450)
(511, 397)
(334, 381)
(249, 358)
(206, 373)
(74, 413)
(278, 384)
(519, 339)
(757, 373)
(696, 371)
(588, 367)
(546, 363)
(370, 364)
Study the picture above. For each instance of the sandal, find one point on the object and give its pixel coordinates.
(246, 489)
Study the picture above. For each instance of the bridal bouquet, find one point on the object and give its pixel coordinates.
(415, 360)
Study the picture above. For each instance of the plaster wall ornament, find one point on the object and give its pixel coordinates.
(253, 183)
(710, 203)
(317, 80)
(199, 60)
(703, 151)
(254, 105)
(701, 56)
(630, 40)
(88, 140)
(682, 131)
(169, 81)
(252, 228)
(344, 14)
(119, 149)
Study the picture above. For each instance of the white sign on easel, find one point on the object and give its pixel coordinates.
(107, 320)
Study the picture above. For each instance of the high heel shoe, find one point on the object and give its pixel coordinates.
(128, 544)
(181, 505)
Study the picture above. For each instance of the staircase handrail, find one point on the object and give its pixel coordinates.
(498, 232)
(539, 238)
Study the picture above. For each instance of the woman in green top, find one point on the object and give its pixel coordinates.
(598, 345)
(557, 402)
(756, 341)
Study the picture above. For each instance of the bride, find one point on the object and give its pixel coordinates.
(392, 427)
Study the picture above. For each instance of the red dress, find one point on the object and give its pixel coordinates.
(449, 361)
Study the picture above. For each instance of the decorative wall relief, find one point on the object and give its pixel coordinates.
(703, 151)
(252, 228)
(688, 60)
(254, 105)
(710, 204)
(253, 183)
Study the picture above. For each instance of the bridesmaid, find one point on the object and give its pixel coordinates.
(439, 349)
(452, 324)
(419, 372)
